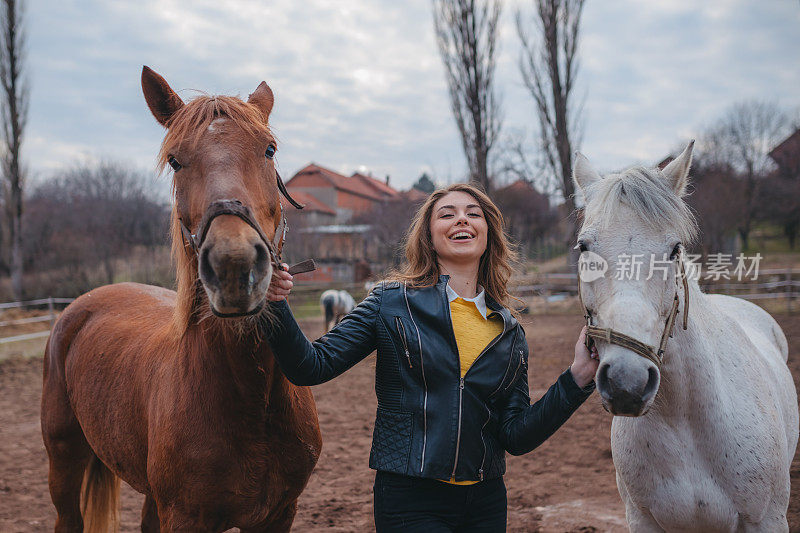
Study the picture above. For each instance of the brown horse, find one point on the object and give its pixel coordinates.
(176, 393)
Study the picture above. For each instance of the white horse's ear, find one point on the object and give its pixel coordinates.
(677, 172)
(583, 173)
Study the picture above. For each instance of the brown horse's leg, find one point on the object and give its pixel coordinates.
(65, 478)
(150, 516)
(69, 454)
(67, 449)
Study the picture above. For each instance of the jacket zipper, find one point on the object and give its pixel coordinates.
(458, 434)
(424, 384)
(461, 380)
(483, 461)
(402, 330)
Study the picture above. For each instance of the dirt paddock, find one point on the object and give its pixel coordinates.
(565, 485)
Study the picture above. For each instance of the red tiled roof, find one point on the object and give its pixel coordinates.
(338, 181)
(312, 203)
(378, 185)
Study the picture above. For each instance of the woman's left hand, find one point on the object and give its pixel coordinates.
(584, 367)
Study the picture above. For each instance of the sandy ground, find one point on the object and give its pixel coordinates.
(566, 485)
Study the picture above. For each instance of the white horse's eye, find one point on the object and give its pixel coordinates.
(675, 251)
(581, 246)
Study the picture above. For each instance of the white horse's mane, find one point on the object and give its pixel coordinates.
(647, 193)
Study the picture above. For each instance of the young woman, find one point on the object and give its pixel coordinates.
(451, 374)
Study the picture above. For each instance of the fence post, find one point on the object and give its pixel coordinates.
(546, 291)
(51, 308)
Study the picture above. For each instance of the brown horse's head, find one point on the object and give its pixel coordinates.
(220, 149)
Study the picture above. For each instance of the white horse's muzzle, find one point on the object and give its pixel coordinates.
(627, 383)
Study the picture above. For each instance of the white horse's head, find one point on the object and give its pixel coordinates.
(634, 220)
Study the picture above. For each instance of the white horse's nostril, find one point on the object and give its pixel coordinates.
(653, 379)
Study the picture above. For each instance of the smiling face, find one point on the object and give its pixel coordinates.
(458, 229)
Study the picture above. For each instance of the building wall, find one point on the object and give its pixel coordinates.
(357, 204)
(326, 194)
(316, 218)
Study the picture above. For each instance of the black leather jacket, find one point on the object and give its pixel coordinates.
(431, 422)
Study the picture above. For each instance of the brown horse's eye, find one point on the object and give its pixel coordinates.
(174, 163)
(270, 153)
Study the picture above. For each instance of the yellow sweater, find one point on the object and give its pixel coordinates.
(473, 333)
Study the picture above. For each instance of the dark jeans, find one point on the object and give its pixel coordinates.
(408, 504)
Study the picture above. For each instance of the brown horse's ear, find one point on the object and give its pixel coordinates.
(262, 98)
(161, 99)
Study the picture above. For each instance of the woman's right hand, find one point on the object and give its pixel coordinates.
(281, 284)
(585, 364)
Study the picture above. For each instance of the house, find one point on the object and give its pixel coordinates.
(315, 213)
(343, 196)
(331, 227)
(386, 192)
(787, 155)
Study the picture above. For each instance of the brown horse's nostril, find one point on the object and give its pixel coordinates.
(207, 273)
(262, 258)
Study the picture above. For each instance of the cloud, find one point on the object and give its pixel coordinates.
(360, 84)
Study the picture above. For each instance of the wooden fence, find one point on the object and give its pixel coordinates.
(771, 284)
(49, 317)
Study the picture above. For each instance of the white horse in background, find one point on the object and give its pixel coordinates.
(705, 442)
(335, 305)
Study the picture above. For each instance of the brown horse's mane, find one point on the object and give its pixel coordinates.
(185, 129)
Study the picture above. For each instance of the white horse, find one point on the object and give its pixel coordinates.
(335, 305)
(704, 440)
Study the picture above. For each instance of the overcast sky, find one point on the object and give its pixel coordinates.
(359, 84)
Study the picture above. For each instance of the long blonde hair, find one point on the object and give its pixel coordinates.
(421, 268)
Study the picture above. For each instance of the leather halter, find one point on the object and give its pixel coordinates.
(595, 333)
(236, 208)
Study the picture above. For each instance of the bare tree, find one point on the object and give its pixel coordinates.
(742, 139)
(779, 202)
(527, 213)
(388, 225)
(85, 222)
(549, 68)
(717, 201)
(466, 31)
(14, 109)
(516, 161)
